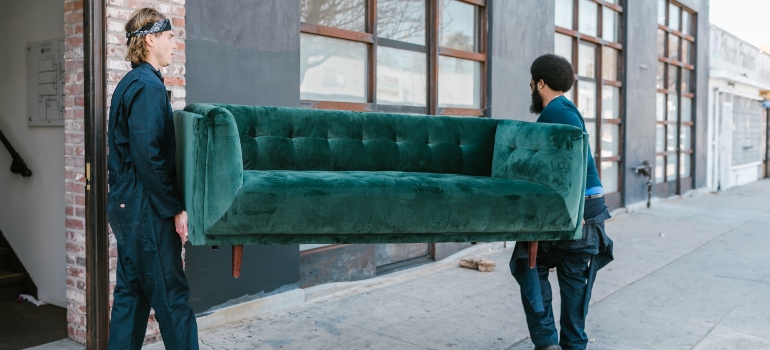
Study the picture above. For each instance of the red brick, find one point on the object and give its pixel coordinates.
(74, 223)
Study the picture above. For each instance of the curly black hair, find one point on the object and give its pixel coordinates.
(555, 71)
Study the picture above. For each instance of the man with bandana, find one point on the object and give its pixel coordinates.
(578, 261)
(144, 209)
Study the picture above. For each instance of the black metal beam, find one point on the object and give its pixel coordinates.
(97, 247)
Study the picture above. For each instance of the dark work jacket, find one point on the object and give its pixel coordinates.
(594, 242)
(142, 143)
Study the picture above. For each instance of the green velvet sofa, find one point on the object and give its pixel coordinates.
(272, 175)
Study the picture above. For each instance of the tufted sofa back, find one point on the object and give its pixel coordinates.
(277, 138)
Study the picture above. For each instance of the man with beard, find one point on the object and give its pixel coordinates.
(576, 262)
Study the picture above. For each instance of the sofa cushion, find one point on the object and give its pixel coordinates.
(388, 202)
(277, 138)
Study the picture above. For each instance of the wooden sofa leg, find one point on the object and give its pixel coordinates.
(237, 256)
(532, 254)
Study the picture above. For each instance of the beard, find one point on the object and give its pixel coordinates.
(537, 102)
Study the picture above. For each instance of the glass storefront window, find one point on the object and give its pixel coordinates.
(401, 77)
(673, 16)
(563, 46)
(588, 18)
(609, 27)
(660, 111)
(564, 13)
(673, 47)
(660, 78)
(610, 176)
(659, 168)
(342, 14)
(686, 109)
(661, 42)
(610, 102)
(402, 20)
(660, 138)
(662, 12)
(609, 63)
(587, 99)
(459, 83)
(586, 60)
(610, 140)
(684, 165)
(671, 168)
(332, 69)
(591, 131)
(458, 26)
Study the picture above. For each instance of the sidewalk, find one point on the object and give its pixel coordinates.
(690, 273)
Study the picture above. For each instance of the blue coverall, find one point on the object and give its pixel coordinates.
(141, 205)
(576, 262)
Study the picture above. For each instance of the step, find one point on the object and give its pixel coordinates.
(9, 277)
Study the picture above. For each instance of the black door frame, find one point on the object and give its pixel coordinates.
(95, 126)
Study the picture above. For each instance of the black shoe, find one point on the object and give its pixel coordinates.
(549, 347)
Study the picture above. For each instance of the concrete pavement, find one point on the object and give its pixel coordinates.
(689, 273)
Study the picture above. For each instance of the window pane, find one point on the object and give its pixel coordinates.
(586, 60)
(686, 80)
(660, 138)
(458, 25)
(609, 63)
(589, 18)
(686, 23)
(673, 47)
(661, 43)
(591, 131)
(587, 99)
(662, 12)
(684, 165)
(343, 14)
(402, 20)
(459, 83)
(564, 12)
(332, 69)
(686, 51)
(401, 77)
(673, 77)
(659, 169)
(671, 168)
(673, 17)
(610, 140)
(610, 102)
(685, 138)
(563, 46)
(672, 107)
(660, 78)
(686, 109)
(660, 112)
(671, 138)
(609, 27)
(610, 176)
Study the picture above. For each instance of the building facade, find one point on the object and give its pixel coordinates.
(739, 83)
(642, 86)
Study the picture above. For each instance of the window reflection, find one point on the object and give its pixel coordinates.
(343, 14)
(332, 69)
(402, 20)
(457, 29)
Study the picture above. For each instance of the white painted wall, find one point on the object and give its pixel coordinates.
(32, 209)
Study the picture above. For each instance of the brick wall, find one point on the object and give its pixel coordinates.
(118, 12)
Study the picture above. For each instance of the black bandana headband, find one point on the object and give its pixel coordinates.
(156, 27)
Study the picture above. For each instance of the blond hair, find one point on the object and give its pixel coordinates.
(137, 50)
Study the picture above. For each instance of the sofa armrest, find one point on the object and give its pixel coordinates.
(209, 163)
(552, 155)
